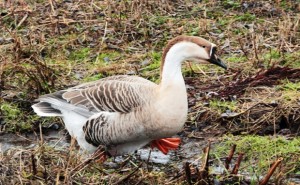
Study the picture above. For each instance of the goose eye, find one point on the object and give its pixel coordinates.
(204, 46)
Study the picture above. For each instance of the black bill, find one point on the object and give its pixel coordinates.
(215, 60)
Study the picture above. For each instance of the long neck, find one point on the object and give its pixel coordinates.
(171, 69)
(172, 97)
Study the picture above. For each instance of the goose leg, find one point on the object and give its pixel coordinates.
(102, 158)
(166, 144)
(99, 155)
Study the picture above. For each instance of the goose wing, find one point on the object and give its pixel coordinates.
(113, 94)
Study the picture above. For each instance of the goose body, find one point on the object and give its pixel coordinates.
(124, 113)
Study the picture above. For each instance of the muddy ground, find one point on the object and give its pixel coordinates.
(50, 45)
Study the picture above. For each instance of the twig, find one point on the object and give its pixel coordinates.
(237, 164)
(203, 173)
(270, 172)
(148, 160)
(99, 152)
(105, 32)
(52, 7)
(228, 159)
(188, 173)
(257, 63)
(243, 49)
(202, 72)
(129, 175)
(22, 20)
(189, 64)
(57, 178)
(41, 134)
(206, 150)
(34, 171)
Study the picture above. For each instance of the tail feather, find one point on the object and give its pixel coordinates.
(45, 109)
(55, 105)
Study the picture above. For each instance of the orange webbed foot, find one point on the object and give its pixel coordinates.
(166, 144)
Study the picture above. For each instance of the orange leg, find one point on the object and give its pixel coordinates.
(100, 156)
(166, 144)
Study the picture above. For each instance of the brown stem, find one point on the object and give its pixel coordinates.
(188, 173)
(203, 173)
(243, 49)
(257, 63)
(34, 171)
(237, 164)
(270, 172)
(128, 176)
(99, 153)
(229, 158)
(206, 158)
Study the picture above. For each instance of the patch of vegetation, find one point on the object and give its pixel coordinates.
(287, 5)
(13, 118)
(223, 106)
(152, 70)
(107, 57)
(214, 13)
(291, 59)
(223, 22)
(290, 90)
(93, 78)
(273, 54)
(231, 4)
(158, 20)
(261, 151)
(236, 59)
(290, 86)
(80, 54)
(247, 17)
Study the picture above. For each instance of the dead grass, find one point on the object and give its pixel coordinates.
(48, 45)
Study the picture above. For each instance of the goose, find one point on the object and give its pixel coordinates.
(124, 113)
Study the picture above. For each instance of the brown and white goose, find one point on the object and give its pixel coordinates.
(124, 113)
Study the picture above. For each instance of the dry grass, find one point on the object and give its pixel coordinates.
(48, 45)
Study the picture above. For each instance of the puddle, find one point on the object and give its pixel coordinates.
(8, 141)
(155, 156)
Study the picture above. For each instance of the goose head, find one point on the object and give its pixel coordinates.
(193, 48)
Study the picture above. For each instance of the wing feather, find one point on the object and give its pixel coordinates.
(114, 94)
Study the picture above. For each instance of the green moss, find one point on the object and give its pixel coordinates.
(247, 17)
(14, 118)
(287, 5)
(292, 59)
(93, 77)
(231, 4)
(106, 57)
(10, 111)
(155, 64)
(290, 91)
(290, 86)
(103, 59)
(215, 13)
(195, 31)
(158, 20)
(223, 22)
(80, 54)
(152, 70)
(223, 106)
(261, 151)
(236, 59)
(273, 54)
